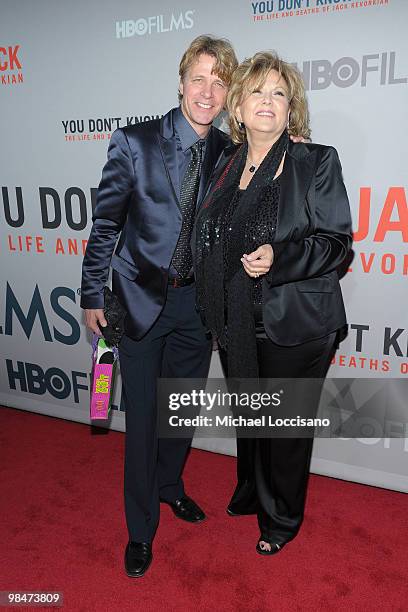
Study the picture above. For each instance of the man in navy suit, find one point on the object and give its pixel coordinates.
(151, 188)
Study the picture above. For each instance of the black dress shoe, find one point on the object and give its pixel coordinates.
(138, 557)
(185, 508)
(232, 513)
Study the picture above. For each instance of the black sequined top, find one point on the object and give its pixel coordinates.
(259, 229)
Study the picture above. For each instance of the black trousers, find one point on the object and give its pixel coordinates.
(273, 473)
(175, 347)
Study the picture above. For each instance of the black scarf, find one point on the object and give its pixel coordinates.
(238, 336)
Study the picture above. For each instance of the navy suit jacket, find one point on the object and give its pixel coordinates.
(138, 209)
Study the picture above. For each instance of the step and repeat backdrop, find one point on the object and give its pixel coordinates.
(71, 73)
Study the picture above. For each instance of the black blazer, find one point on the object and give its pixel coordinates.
(302, 298)
(138, 206)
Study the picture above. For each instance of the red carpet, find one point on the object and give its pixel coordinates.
(63, 529)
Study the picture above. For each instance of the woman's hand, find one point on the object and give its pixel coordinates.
(258, 262)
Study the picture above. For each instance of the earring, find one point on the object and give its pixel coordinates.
(241, 125)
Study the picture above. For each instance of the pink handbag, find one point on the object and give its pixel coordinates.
(104, 360)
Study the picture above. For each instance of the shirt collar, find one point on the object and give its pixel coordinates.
(186, 133)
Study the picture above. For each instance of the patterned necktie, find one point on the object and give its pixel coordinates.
(182, 258)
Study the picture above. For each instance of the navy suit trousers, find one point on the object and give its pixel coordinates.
(175, 347)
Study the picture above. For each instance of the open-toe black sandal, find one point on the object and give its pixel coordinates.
(275, 548)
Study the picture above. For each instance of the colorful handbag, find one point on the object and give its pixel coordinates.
(104, 358)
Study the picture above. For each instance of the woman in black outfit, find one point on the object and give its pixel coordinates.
(271, 233)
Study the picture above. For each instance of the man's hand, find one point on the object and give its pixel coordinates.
(92, 316)
(258, 262)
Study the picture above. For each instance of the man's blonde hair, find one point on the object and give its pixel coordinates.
(251, 74)
(219, 48)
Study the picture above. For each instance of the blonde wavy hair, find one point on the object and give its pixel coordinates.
(251, 74)
(219, 48)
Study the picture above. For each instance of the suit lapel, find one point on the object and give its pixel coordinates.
(296, 178)
(215, 147)
(168, 149)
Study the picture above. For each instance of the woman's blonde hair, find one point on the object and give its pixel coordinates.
(251, 74)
